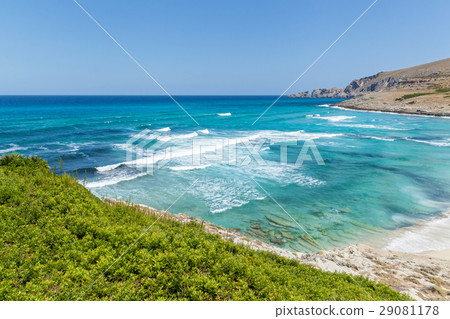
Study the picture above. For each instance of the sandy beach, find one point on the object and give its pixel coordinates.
(423, 276)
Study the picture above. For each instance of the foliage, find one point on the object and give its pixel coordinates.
(58, 240)
(413, 95)
(410, 96)
(442, 90)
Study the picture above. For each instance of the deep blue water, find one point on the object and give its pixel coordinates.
(381, 172)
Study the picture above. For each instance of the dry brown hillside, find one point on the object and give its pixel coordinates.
(422, 89)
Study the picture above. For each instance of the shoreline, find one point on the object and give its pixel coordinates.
(384, 110)
(424, 238)
(422, 276)
(419, 101)
(337, 106)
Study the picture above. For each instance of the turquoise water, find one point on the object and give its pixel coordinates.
(382, 171)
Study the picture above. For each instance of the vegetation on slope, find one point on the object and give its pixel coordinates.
(57, 239)
(412, 95)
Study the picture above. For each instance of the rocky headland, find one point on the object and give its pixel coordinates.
(423, 89)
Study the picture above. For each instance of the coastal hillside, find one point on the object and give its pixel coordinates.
(421, 76)
(60, 242)
(422, 89)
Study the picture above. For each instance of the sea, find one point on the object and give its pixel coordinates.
(303, 176)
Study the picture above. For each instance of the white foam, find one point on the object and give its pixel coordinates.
(434, 143)
(432, 235)
(379, 138)
(189, 168)
(337, 118)
(177, 152)
(284, 175)
(124, 147)
(177, 136)
(158, 156)
(223, 194)
(165, 129)
(325, 105)
(385, 112)
(13, 147)
(312, 136)
(224, 114)
(113, 180)
(205, 131)
(70, 147)
(107, 167)
(381, 127)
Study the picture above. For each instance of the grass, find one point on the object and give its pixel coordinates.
(57, 239)
(410, 96)
(413, 95)
(442, 90)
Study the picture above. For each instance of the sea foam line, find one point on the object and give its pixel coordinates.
(433, 234)
(188, 168)
(13, 147)
(182, 152)
(440, 144)
(337, 118)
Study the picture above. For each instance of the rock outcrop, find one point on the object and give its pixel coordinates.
(418, 77)
(301, 94)
(333, 93)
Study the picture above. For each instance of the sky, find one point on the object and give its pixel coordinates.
(211, 47)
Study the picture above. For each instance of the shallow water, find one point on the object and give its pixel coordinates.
(381, 172)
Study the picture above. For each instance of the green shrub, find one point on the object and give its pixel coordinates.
(410, 96)
(57, 240)
(442, 90)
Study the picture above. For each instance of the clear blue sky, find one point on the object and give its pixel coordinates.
(211, 47)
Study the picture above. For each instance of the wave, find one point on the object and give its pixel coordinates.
(284, 175)
(324, 105)
(182, 152)
(381, 127)
(157, 157)
(189, 168)
(177, 136)
(430, 235)
(300, 135)
(433, 143)
(312, 136)
(205, 131)
(165, 129)
(113, 180)
(379, 138)
(337, 118)
(12, 148)
(67, 147)
(221, 194)
(386, 112)
(224, 114)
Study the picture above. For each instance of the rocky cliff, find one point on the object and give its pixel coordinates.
(421, 76)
